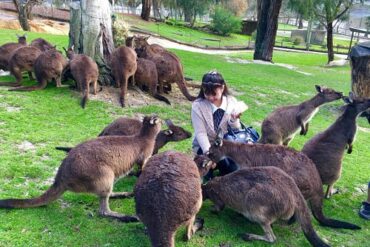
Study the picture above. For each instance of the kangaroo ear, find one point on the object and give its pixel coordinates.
(64, 49)
(25, 35)
(169, 122)
(17, 35)
(318, 88)
(168, 132)
(146, 38)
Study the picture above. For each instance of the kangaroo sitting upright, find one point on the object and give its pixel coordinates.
(280, 126)
(94, 165)
(263, 195)
(326, 149)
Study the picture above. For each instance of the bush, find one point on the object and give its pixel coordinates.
(224, 22)
(297, 40)
(120, 30)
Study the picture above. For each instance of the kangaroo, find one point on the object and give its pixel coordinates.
(294, 163)
(94, 165)
(146, 76)
(168, 65)
(7, 49)
(42, 44)
(282, 124)
(124, 65)
(49, 65)
(168, 195)
(22, 59)
(263, 195)
(84, 71)
(130, 126)
(326, 149)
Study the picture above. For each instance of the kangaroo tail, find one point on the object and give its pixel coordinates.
(65, 149)
(316, 207)
(53, 193)
(161, 98)
(184, 90)
(304, 218)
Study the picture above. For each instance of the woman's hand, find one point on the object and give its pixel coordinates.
(235, 116)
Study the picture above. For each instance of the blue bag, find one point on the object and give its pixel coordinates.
(244, 135)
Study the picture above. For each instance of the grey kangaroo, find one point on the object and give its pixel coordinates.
(94, 165)
(294, 163)
(280, 126)
(263, 195)
(326, 149)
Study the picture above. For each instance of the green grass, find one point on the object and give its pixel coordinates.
(53, 117)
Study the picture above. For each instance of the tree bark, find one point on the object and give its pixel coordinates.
(91, 34)
(188, 15)
(156, 9)
(268, 12)
(300, 25)
(22, 15)
(329, 41)
(145, 10)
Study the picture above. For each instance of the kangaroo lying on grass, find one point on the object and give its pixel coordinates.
(146, 76)
(7, 49)
(282, 124)
(48, 66)
(84, 71)
(294, 163)
(22, 59)
(263, 195)
(124, 65)
(94, 165)
(326, 149)
(168, 195)
(130, 126)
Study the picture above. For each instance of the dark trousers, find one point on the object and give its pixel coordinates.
(225, 166)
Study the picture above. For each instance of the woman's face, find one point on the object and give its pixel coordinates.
(215, 97)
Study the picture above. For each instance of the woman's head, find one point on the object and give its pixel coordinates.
(213, 85)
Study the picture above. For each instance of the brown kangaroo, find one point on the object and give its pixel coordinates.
(294, 163)
(168, 65)
(146, 77)
(263, 195)
(124, 65)
(22, 59)
(130, 126)
(326, 149)
(282, 124)
(84, 71)
(42, 44)
(168, 195)
(94, 165)
(49, 65)
(7, 49)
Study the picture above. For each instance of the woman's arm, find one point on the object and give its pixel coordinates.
(200, 131)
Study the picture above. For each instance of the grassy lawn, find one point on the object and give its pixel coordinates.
(53, 117)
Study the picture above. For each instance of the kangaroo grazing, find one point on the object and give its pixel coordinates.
(282, 124)
(168, 195)
(168, 65)
(294, 163)
(84, 71)
(7, 49)
(146, 77)
(263, 195)
(130, 126)
(124, 65)
(42, 44)
(326, 149)
(22, 59)
(94, 165)
(48, 66)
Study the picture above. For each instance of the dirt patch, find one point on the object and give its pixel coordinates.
(26, 146)
(137, 98)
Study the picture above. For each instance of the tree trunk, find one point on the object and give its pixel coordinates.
(268, 12)
(22, 16)
(188, 15)
(300, 26)
(145, 9)
(91, 34)
(156, 9)
(329, 41)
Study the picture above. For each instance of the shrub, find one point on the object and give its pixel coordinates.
(120, 30)
(297, 40)
(224, 22)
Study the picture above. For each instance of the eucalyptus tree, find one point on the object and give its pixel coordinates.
(24, 9)
(146, 6)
